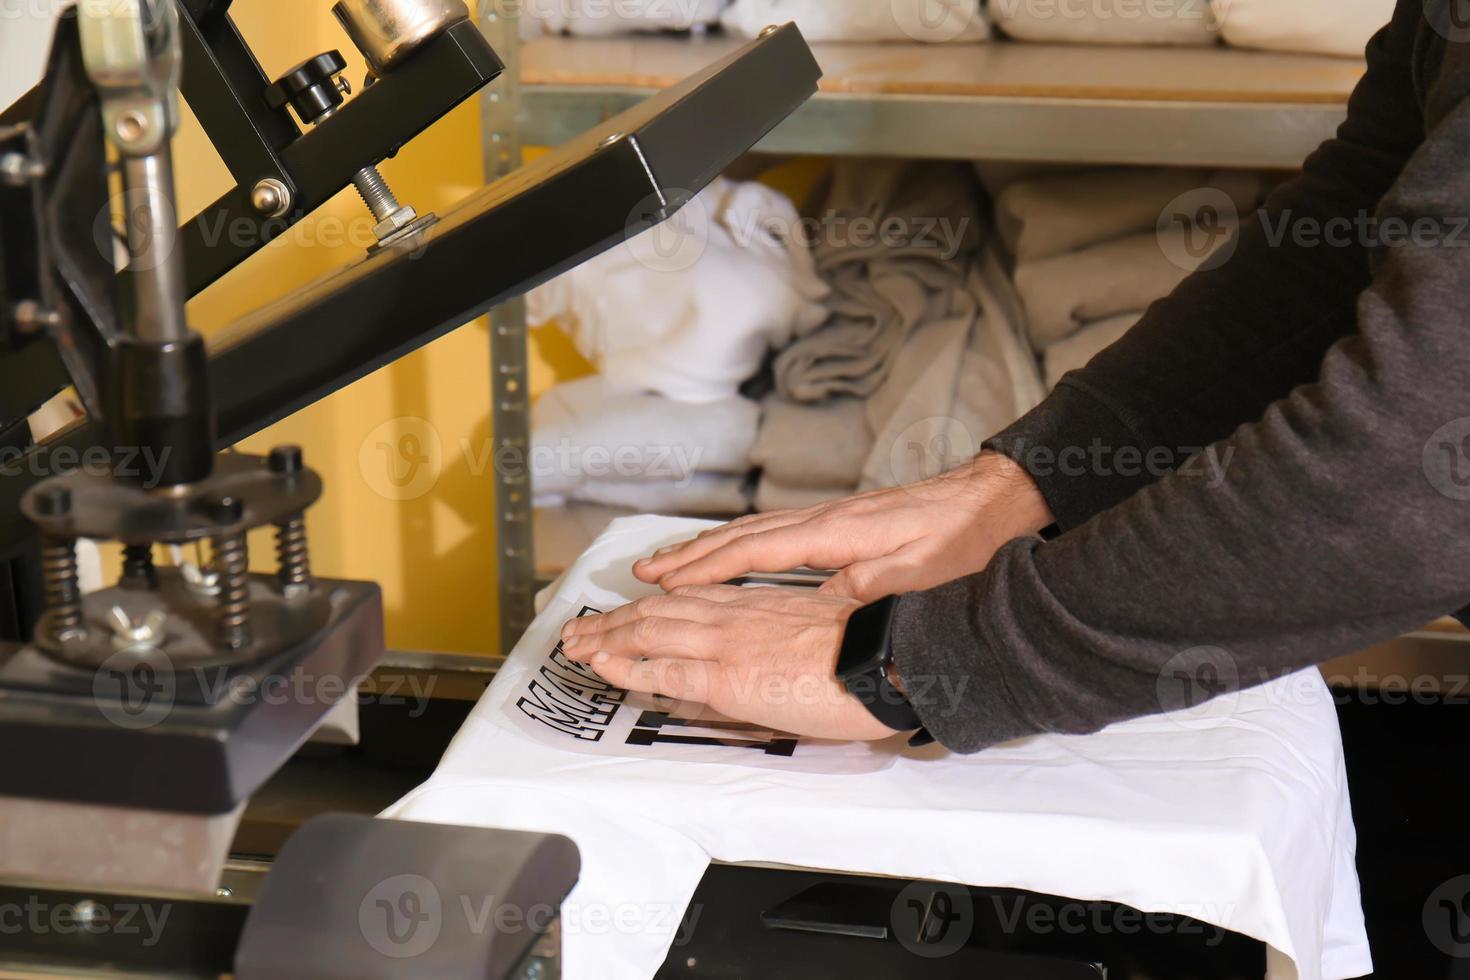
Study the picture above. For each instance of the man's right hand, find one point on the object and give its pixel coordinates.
(887, 542)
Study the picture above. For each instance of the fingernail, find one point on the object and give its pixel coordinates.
(643, 563)
(601, 657)
(570, 642)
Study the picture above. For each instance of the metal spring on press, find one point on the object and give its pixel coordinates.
(292, 553)
(232, 562)
(63, 593)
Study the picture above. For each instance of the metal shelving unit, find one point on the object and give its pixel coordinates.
(1000, 101)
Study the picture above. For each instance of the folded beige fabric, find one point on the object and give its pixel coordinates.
(863, 20)
(1073, 353)
(1337, 27)
(1063, 293)
(1055, 213)
(894, 243)
(773, 495)
(1107, 21)
(822, 444)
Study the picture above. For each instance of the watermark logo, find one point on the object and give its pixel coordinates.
(669, 232)
(936, 20)
(930, 448)
(933, 920)
(1446, 459)
(401, 917)
(135, 691)
(1197, 229)
(1200, 687)
(1447, 917)
(402, 459)
(1449, 19)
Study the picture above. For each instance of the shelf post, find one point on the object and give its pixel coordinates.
(509, 363)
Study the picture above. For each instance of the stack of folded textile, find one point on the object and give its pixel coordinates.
(599, 18)
(690, 308)
(1093, 249)
(1109, 21)
(863, 20)
(921, 358)
(676, 320)
(594, 442)
(1336, 27)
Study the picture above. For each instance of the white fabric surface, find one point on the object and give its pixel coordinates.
(1236, 812)
(589, 430)
(1108, 21)
(1339, 27)
(1073, 353)
(930, 21)
(25, 40)
(690, 307)
(600, 18)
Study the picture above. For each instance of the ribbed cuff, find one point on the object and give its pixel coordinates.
(953, 676)
(1080, 451)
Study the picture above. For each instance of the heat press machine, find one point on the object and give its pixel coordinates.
(132, 716)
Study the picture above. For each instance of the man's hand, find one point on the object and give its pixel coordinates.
(883, 543)
(764, 656)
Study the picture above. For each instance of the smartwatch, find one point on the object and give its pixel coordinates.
(865, 666)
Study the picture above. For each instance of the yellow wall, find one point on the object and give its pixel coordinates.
(433, 554)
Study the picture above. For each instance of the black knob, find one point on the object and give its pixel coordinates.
(226, 509)
(53, 502)
(286, 460)
(310, 88)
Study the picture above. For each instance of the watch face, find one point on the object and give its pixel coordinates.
(865, 644)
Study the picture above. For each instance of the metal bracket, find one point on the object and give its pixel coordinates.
(133, 55)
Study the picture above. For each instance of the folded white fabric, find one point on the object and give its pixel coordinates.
(1107, 21)
(1235, 813)
(863, 20)
(690, 307)
(1338, 27)
(591, 430)
(713, 494)
(1053, 213)
(599, 18)
(1073, 353)
(1064, 292)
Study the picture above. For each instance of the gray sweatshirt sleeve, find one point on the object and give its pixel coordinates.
(1232, 340)
(1337, 519)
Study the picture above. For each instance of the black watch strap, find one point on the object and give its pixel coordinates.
(864, 664)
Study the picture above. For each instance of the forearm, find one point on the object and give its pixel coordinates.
(1234, 339)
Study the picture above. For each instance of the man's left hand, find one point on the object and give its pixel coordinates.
(765, 656)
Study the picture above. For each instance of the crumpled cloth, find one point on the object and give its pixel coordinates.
(883, 290)
(863, 20)
(819, 445)
(691, 307)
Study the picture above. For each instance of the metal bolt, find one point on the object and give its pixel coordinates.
(31, 316)
(131, 126)
(769, 29)
(226, 509)
(376, 194)
(224, 891)
(87, 912)
(17, 170)
(271, 198)
(138, 571)
(131, 637)
(610, 139)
